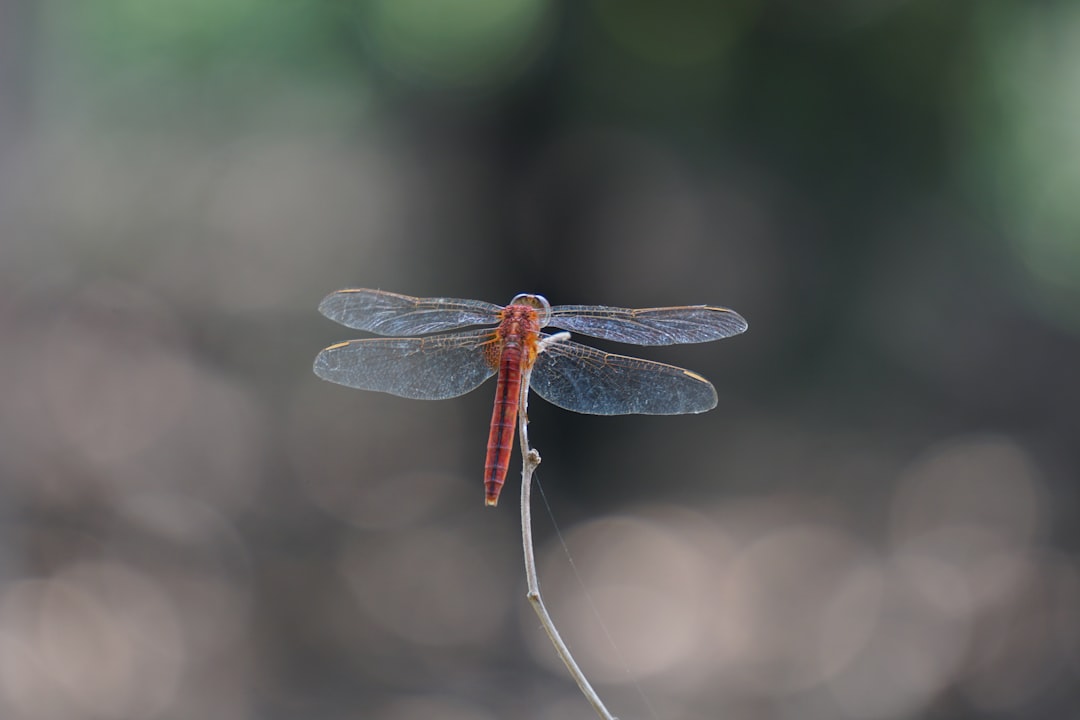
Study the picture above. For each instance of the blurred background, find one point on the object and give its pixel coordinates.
(877, 521)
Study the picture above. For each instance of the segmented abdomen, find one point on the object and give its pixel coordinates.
(503, 422)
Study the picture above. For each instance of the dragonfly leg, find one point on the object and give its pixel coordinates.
(551, 340)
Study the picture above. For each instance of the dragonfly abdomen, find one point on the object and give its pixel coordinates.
(503, 422)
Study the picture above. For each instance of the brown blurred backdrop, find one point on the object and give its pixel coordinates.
(878, 521)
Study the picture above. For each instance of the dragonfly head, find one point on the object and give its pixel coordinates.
(538, 303)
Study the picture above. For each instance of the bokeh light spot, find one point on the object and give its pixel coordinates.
(782, 595)
(647, 584)
(105, 638)
(959, 511)
(912, 653)
(435, 587)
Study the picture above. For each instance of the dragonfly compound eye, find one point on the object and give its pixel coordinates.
(538, 302)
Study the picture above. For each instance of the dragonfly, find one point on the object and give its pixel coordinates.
(426, 354)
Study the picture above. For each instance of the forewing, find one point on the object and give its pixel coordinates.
(387, 313)
(433, 368)
(585, 380)
(649, 326)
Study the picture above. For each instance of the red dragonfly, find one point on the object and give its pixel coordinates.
(566, 374)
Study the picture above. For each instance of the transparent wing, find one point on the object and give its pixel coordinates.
(433, 368)
(387, 313)
(649, 326)
(585, 380)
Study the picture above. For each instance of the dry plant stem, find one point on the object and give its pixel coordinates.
(530, 460)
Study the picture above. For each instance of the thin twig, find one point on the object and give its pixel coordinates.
(530, 459)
